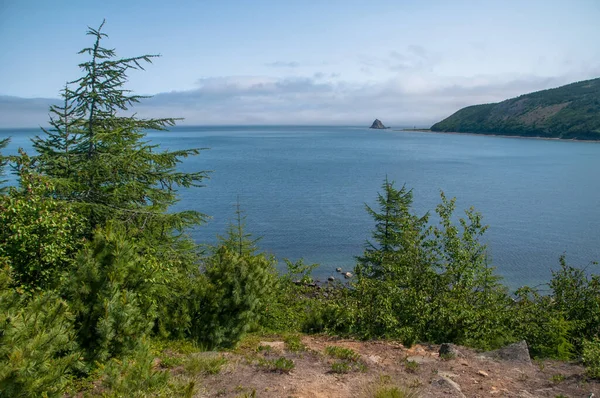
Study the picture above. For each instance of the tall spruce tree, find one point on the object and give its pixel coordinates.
(98, 154)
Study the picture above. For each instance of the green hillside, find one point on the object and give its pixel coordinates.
(567, 112)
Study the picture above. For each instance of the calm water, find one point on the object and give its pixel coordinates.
(304, 188)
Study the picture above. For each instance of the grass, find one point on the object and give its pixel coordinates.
(264, 348)
(340, 367)
(394, 392)
(447, 356)
(349, 360)
(384, 388)
(342, 353)
(557, 378)
(205, 365)
(411, 366)
(281, 364)
(293, 343)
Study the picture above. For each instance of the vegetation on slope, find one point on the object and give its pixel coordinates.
(566, 112)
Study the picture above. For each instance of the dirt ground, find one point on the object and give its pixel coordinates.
(415, 372)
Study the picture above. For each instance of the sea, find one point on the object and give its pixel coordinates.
(303, 190)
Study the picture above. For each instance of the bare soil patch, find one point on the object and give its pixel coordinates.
(417, 370)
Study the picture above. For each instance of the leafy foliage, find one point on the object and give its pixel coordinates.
(591, 357)
(569, 112)
(3, 161)
(40, 234)
(425, 282)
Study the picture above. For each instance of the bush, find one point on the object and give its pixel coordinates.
(591, 358)
(342, 353)
(282, 365)
(132, 376)
(39, 234)
(239, 288)
(37, 347)
(111, 291)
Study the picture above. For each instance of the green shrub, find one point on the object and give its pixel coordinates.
(132, 376)
(281, 364)
(294, 343)
(237, 292)
(39, 234)
(37, 347)
(110, 291)
(341, 367)
(342, 353)
(591, 358)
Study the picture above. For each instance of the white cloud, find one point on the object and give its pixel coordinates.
(409, 98)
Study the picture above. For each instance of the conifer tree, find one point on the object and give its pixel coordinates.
(237, 239)
(240, 283)
(37, 344)
(398, 236)
(98, 155)
(58, 147)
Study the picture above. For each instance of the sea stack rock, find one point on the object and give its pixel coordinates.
(377, 125)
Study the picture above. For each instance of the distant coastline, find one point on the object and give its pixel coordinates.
(498, 135)
(419, 130)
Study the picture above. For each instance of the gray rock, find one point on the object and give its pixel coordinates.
(338, 269)
(516, 352)
(331, 279)
(448, 384)
(449, 350)
(347, 275)
(377, 125)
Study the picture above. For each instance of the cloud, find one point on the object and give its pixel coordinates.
(407, 99)
(24, 112)
(413, 58)
(283, 64)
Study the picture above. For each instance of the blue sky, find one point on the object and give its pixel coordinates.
(302, 62)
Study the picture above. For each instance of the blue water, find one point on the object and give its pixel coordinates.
(304, 188)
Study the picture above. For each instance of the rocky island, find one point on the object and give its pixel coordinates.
(378, 125)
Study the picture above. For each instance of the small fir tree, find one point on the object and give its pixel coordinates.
(37, 345)
(237, 239)
(398, 235)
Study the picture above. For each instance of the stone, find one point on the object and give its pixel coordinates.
(377, 125)
(448, 383)
(483, 373)
(448, 350)
(516, 352)
(421, 359)
(338, 269)
(347, 275)
(331, 279)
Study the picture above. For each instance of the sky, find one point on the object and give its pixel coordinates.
(328, 62)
